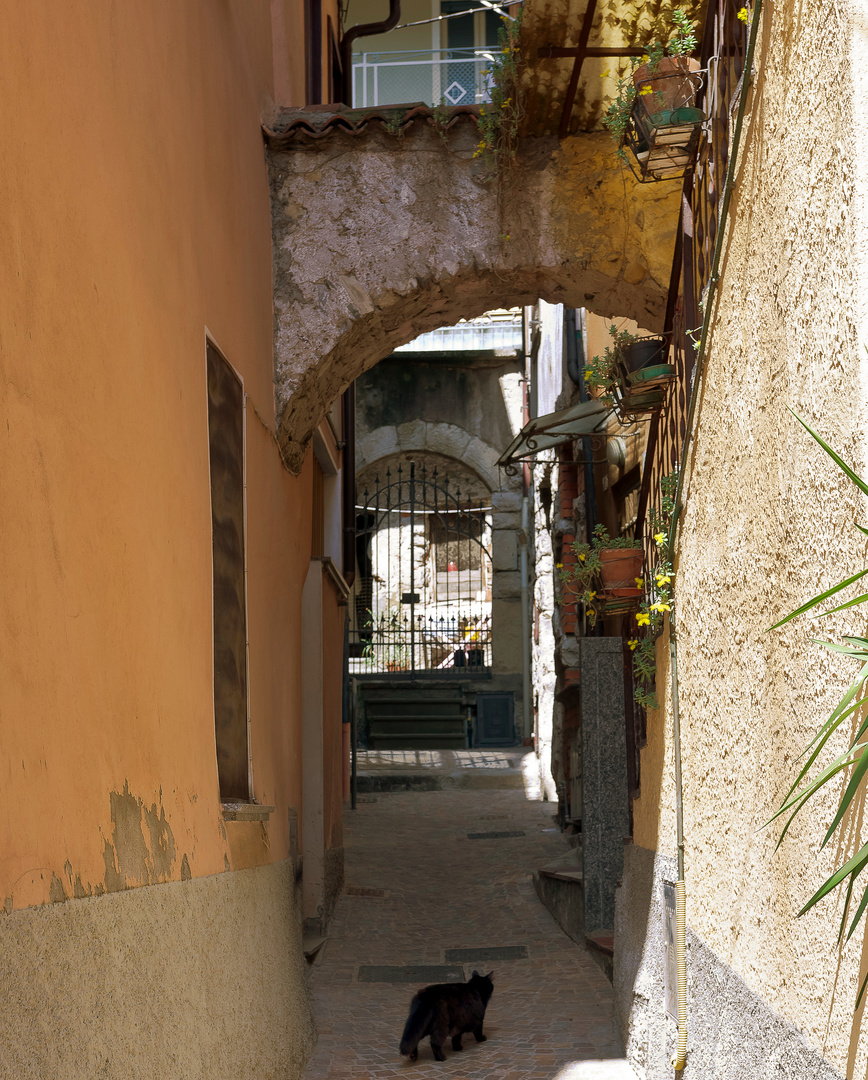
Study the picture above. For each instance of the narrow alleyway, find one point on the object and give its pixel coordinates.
(418, 886)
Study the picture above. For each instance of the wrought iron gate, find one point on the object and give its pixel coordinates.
(422, 597)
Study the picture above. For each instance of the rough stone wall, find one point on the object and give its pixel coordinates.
(379, 238)
(768, 524)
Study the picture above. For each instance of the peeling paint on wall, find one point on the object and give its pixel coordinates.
(143, 851)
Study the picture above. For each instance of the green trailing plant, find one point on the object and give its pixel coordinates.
(441, 116)
(500, 117)
(681, 42)
(601, 372)
(653, 608)
(393, 127)
(584, 575)
(854, 759)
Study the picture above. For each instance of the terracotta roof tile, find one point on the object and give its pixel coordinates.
(293, 126)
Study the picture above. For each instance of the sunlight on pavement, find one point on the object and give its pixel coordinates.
(611, 1069)
(530, 773)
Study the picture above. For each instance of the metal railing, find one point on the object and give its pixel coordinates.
(723, 52)
(394, 643)
(447, 76)
(421, 600)
(485, 333)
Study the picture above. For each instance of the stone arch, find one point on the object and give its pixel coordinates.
(421, 436)
(379, 237)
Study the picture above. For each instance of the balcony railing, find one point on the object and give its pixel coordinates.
(447, 76)
(723, 54)
(495, 332)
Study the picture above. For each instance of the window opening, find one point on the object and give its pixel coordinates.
(226, 458)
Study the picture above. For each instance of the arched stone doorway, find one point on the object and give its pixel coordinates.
(445, 418)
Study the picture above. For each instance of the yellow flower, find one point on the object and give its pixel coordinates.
(606, 74)
(643, 618)
(591, 613)
(645, 59)
(663, 579)
(591, 595)
(582, 557)
(588, 376)
(639, 582)
(660, 606)
(645, 90)
(659, 538)
(634, 644)
(743, 15)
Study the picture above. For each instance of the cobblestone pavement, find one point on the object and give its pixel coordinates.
(428, 888)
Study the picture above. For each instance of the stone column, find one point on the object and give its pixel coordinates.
(605, 816)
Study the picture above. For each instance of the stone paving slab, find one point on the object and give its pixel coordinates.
(550, 1017)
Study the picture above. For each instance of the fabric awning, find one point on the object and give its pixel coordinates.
(553, 429)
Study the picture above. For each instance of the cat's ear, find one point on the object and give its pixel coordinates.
(489, 976)
(475, 975)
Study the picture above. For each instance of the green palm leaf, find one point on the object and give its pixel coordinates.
(855, 758)
(849, 792)
(819, 599)
(839, 461)
(853, 866)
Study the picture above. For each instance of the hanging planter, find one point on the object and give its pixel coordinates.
(632, 373)
(654, 114)
(642, 353)
(664, 126)
(643, 377)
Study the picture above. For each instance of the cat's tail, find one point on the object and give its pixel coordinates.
(418, 1023)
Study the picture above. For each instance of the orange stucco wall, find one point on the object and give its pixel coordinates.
(136, 220)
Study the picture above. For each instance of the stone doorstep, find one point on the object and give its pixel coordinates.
(563, 875)
(601, 948)
(312, 945)
(604, 940)
(566, 867)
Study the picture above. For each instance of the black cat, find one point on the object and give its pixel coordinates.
(447, 1010)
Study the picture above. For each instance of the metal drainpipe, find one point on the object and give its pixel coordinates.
(587, 451)
(680, 1059)
(524, 541)
(363, 30)
(348, 484)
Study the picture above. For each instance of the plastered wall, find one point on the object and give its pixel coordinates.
(138, 226)
(768, 525)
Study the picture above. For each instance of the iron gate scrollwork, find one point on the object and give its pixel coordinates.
(422, 597)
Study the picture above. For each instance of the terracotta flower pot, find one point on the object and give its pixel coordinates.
(619, 568)
(671, 85)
